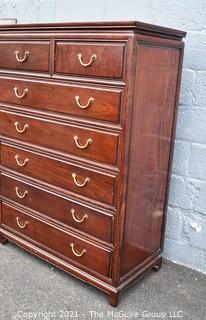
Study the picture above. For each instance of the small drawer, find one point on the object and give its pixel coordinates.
(60, 242)
(88, 143)
(89, 59)
(84, 101)
(83, 218)
(24, 55)
(74, 178)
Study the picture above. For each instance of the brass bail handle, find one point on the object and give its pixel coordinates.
(24, 58)
(82, 146)
(79, 184)
(20, 162)
(77, 219)
(76, 252)
(87, 105)
(19, 194)
(21, 96)
(92, 59)
(20, 224)
(25, 127)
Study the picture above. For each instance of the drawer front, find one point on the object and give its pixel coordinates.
(58, 208)
(24, 55)
(62, 243)
(88, 143)
(89, 102)
(90, 59)
(77, 179)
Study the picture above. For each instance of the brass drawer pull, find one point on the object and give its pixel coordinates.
(25, 57)
(80, 146)
(75, 252)
(92, 59)
(74, 176)
(19, 162)
(19, 223)
(21, 195)
(90, 101)
(85, 217)
(21, 96)
(26, 126)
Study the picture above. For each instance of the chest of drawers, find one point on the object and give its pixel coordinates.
(88, 114)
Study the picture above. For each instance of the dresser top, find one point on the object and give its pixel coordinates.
(135, 26)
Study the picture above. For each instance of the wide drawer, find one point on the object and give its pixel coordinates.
(60, 242)
(89, 59)
(88, 143)
(76, 100)
(24, 55)
(64, 211)
(74, 178)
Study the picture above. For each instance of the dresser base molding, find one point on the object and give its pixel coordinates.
(3, 240)
(112, 291)
(158, 265)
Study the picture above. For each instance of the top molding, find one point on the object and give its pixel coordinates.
(135, 26)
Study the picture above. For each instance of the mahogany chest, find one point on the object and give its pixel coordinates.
(87, 124)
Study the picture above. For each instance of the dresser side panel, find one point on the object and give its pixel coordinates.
(150, 151)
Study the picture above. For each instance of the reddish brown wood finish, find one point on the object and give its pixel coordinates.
(98, 26)
(62, 137)
(38, 58)
(60, 98)
(100, 186)
(134, 80)
(148, 163)
(59, 208)
(46, 235)
(108, 62)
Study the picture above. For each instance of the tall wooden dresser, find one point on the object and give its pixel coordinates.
(88, 114)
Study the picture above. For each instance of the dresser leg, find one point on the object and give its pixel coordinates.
(3, 240)
(158, 265)
(114, 299)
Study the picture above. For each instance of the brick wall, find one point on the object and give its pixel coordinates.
(186, 224)
(74, 10)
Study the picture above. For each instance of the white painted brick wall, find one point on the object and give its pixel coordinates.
(74, 10)
(186, 225)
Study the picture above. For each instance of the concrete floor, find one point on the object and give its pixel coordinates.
(32, 289)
